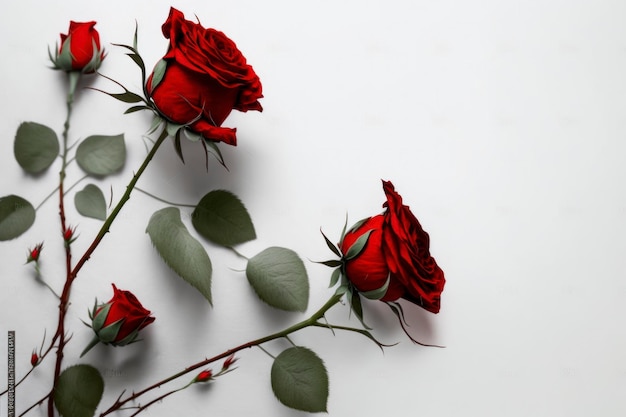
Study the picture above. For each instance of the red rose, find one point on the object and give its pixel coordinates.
(202, 78)
(80, 48)
(119, 321)
(396, 255)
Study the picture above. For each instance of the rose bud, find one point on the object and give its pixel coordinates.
(201, 79)
(204, 376)
(80, 49)
(34, 253)
(395, 261)
(119, 321)
(228, 362)
(34, 359)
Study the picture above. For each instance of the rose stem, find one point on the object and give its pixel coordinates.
(73, 78)
(72, 273)
(129, 188)
(311, 321)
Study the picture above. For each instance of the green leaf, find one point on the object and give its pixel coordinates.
(180, 251)
(358, 245)
(36, 147)
(78, 391)
(101, 155)
(300, 380)
(90, 202)
(16, 216)
(279, 278)
(222, 218)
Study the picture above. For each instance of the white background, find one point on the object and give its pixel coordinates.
(501, 123)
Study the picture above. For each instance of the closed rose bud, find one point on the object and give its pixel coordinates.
(395, 261)
(34, 253)
(204, 376)
(34, 359)
(80, 49)
(119, 321)
(68, 234)
(228, 362)
(202, 78)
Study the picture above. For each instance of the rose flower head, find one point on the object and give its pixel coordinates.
(119, 321)
(393, 259)
(80, 49)
(201, 79)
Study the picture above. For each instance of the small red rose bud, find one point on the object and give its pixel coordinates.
(33, 254)
(228, 362)
(68, 235)
(34, 359)
(119, 321)
(204, 376)
(80, 49)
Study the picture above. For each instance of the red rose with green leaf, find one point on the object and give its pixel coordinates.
(393, 258)
(119, 321)
(201, 79)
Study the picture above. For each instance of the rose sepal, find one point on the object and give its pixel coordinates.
(109, 333)
(379, 293)
(358, 245)
(94, 341)
(62, 60)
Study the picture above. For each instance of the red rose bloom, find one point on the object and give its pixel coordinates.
(124, 308)
(204, 78)
(80, 48)
(119, 321)
(396, 254)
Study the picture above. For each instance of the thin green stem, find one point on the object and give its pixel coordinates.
(47, 198)
(311, 321)
(163, 200)
(266, 352)
(236, 252)
(53, 192)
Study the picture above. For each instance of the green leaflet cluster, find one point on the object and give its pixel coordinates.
(36, 147)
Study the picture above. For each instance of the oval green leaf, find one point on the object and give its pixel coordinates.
(279, 278)
(36, 147)
(90, 202)
(180, 251)
(16, 216)
(222, 218)
(78, 391)
(300, 380)
(101, 155)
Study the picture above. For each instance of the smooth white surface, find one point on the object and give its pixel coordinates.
(502, 125)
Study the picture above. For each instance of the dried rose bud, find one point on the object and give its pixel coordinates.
(204, 376)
